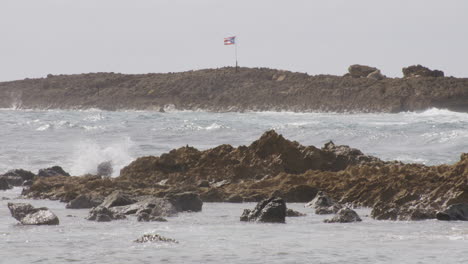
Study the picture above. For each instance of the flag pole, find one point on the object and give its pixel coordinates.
(235, 44)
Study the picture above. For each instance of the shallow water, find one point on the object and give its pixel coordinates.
(216, 235)
(79, 140)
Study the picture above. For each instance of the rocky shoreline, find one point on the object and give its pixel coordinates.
(333, 178)
(363, 89)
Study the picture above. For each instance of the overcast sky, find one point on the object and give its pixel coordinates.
(141, 36)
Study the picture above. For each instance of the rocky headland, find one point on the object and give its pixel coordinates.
(332, 178)
(363, 89)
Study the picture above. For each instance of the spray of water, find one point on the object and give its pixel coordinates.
(88, 154)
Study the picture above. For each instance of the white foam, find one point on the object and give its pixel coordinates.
(88, 154)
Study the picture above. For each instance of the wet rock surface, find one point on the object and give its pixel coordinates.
(155, 238)
(454, 212)
(344, 215)
(17, 177)
(275, 165)
(105, 169)
(26, 214)
(52, 171)
(272, 210)
(85, 201)
(103, 214)
(4, 184)
(292, 213)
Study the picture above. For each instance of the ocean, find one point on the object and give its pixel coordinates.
(79, 140)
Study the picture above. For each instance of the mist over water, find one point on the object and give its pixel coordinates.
(79, 140)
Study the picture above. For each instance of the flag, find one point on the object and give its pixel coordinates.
(230, 40)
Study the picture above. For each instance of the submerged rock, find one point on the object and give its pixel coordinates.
(153, 206)
(454, 212)
(147, 217)
(272, 210)
(345, 215)
(28, 215)
(85, 201)
(52, 172)
(292, 213)
(155, 238)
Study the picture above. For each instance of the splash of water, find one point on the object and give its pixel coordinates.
(88, 154)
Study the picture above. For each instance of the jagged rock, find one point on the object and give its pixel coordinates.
(4, 184)
(345, 215)
(300, 194)
(272, 210)
(186, 201)
(454, 212)
(376, 75)
(117, 198)
(421, 71)
(17, 177)
(152, 205)
(102, 214)
(360, 71)
(155, 238)
(105, 169)
(52, 171)
(292, 213)
(146, 217)
(323, 204)
(393, 211)
(28, 215)
(28, 183)
(85, 201)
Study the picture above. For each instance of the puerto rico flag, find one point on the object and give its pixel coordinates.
(230, 40)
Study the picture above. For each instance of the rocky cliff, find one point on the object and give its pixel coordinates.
(248, 89)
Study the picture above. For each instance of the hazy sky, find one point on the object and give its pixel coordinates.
(140, 36)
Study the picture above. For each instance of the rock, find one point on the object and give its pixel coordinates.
(28, 183)
(421, 71)
(320, 200)
(292, 213)
(392, 211)
(328, 210)
(345, 215)
(360, 71)
(18, 176)
(272, 210)
(300, 194)
(103, 218)
(5, 199)
(105, 169)
(186, 201)
(454, 212)
(85, 201)
(204, 184)
(146, 217)
(235, 198)
(376, 75)
(155, 238)
(52, 171)
(28, 215)
(102, 214)
(117, 198)
(4, 184)
(152, 205)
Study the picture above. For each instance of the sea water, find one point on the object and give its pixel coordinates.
(79, 140)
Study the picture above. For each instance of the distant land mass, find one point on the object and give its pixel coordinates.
(248, 89)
